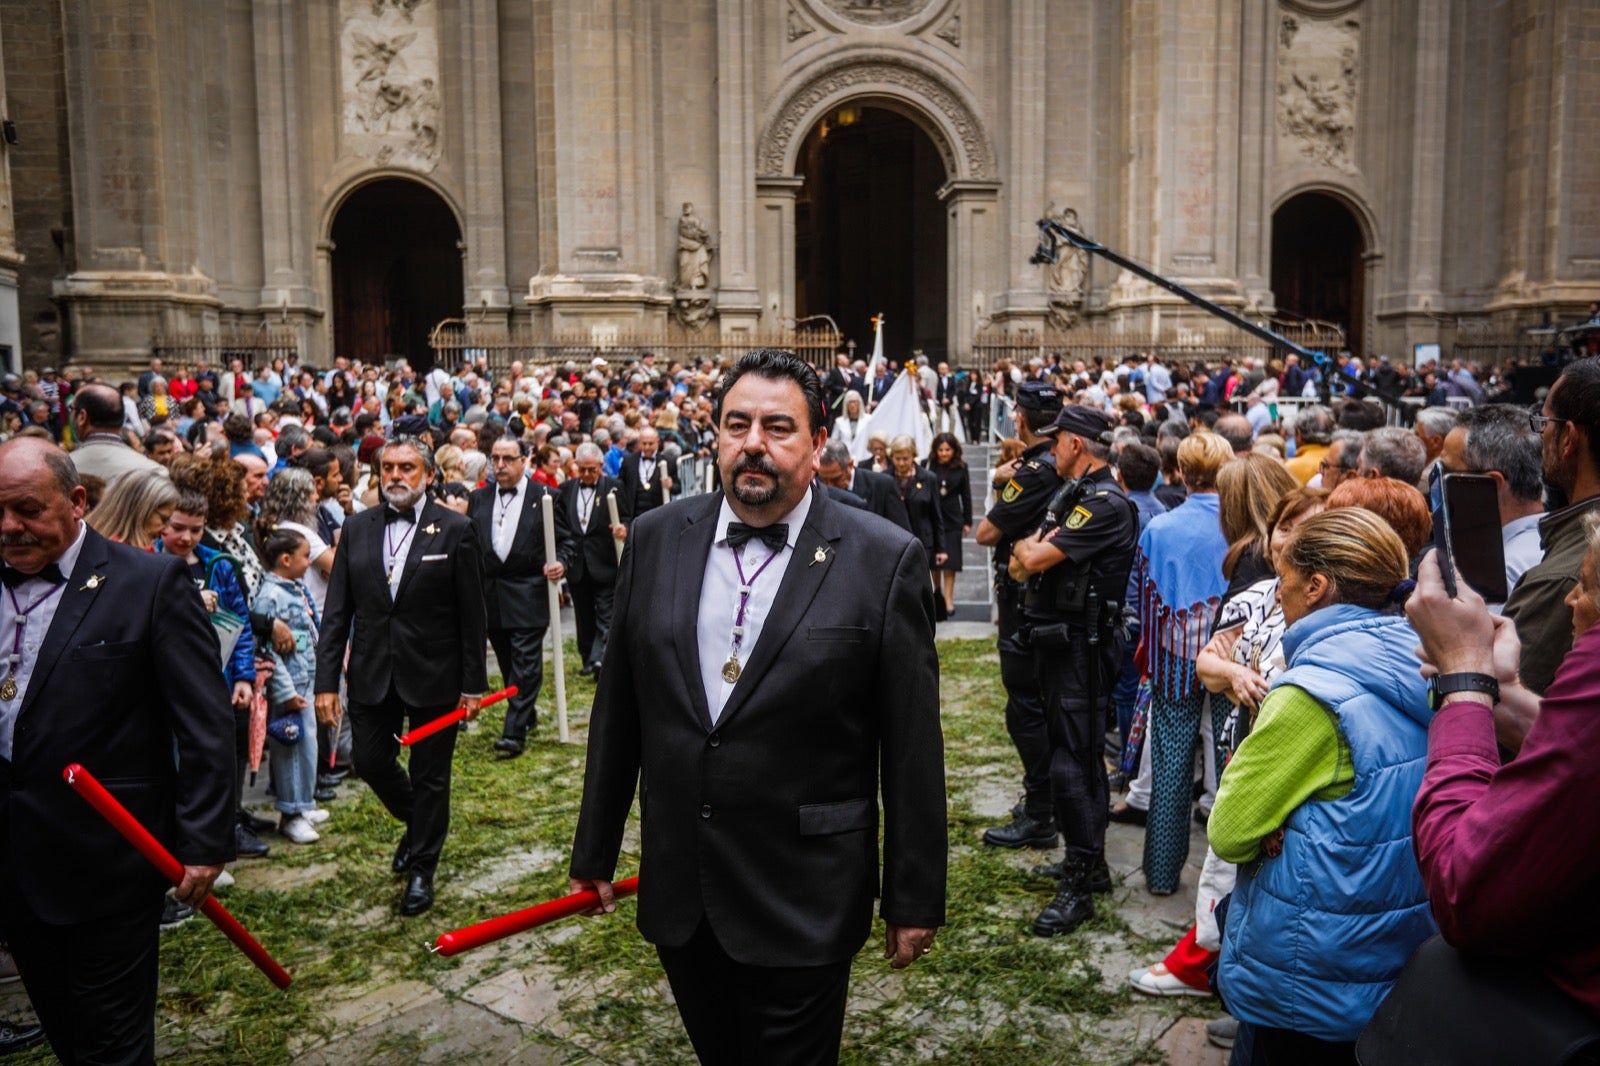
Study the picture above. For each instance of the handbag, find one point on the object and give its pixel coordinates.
(285, 728)
(229, 626)
(1450, 1009)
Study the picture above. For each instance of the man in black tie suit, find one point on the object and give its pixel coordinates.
(136, 695)
(644, 472)
(882, 496)
(510, 521)
(592, 578)
(406, 594)
(772, 652)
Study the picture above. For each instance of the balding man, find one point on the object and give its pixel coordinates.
(133, 696)
(644, 476)
(97, 418)
(592, 577)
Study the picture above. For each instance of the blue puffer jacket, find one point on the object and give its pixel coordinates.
(1315, 937)
(230, 597)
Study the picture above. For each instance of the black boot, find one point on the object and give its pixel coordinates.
(1073, 904)
(1025, 831)
(1099, 874)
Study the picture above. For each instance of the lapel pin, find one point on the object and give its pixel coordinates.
(821, 556)
(94, 582)
(430, 529)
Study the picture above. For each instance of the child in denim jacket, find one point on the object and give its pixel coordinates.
(294, 763)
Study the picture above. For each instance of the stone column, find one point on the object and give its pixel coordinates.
(483, 183)
(775, 247)
(1024, 302)
(738, 300)
(972, 226)
(1422, 168)
(1253, 199)
(10, 259)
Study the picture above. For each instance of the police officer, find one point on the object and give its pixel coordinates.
(1076, 574)
(1022, 489)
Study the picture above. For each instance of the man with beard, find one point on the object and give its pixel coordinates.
(772, 651)
(1568, 425)
(406, 593)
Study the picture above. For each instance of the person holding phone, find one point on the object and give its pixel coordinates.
(1496, 441)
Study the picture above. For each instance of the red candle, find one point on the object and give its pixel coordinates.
(84, 783)
(444, 721)
(475, 936)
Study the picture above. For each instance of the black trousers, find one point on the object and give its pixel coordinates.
(521, 655)
(419, 798)
(740, 1015)
(1284, 1047)
(1077, 725)
(1025, 717)
(591, 605)
(93, 984)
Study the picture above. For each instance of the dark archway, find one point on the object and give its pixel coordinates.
(870, 230)
(1316, 263)
(396, 271)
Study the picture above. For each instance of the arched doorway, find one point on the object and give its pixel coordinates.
(870, 232)
(1316, 263)
(396, 271)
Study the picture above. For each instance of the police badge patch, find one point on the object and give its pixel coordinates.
(1078, 518)
(1012, 490)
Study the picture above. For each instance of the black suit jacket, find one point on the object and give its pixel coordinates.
(428, 641)
(596, 552)
(921, 499)
(127, 667)
(514, 590)
(765, 823)
(882, 496)
(646, 495)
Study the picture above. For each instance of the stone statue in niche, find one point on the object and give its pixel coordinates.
(1319, 66)
(695, 250)
(1066, 277)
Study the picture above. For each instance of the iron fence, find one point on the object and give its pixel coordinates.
(252, 347)
(1210, 345)
(456, 340)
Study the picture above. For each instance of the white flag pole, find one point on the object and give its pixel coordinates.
(549, 515)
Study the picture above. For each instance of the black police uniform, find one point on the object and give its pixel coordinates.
(1074, 616)
(1018, 508)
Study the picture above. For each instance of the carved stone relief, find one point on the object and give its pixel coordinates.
(1065, 279)
(1319, 68)
(802, 109)
(389, 53)
(950, 32)
(877, 12)
(796, 26)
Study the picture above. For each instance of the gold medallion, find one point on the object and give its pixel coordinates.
(430, 529)
(820, 557)
(90, 585)
(8, 689)
(730, 672)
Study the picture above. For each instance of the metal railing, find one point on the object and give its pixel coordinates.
(1210, 345)
(457, 340)
(252, 347)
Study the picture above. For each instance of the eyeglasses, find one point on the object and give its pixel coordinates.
(1538, 420)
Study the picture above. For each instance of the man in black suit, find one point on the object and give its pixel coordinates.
(643, 474)
(592, 578)
(837, 383)
(406, 593)
(772, 651)
(97, 679)
(836, 468)
(510, 520)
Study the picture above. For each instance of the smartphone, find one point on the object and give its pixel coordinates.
(1466, 531)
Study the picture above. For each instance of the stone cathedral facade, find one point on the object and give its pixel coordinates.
(354, 170)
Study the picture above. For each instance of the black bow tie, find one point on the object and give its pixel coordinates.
(391, 515)
(12, 577)
(774, 536)
(508, 492)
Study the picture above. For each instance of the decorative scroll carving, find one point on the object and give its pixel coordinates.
(389, 52)
(802, 108)
(693, 309)
(950, 32)
(796, 26)
(877, 12)
(1319, 67)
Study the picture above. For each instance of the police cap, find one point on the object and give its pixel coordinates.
(1089, 422)
(1038, 396)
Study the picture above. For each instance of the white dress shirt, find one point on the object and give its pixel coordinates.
(33, 633)
(507, 512)
(719, 599)
(397, 545)
(647, 469)
(1519, 539)
(587, 497)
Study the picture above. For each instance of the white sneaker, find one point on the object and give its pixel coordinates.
(297, 829)
(1146, 980)
(224, 880)
(315, 817)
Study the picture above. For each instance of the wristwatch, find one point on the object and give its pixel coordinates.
(1444, 684)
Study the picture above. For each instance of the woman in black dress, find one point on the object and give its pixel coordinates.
(949, 471)
(919, 491)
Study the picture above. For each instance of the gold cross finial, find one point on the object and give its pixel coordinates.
(877, 321)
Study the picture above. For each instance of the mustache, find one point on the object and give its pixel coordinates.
(18, 540)
(761, 464)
